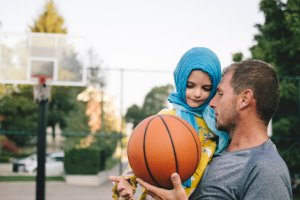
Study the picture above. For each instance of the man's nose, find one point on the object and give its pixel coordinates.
(212, 102)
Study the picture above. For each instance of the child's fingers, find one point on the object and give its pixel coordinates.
(114, 178)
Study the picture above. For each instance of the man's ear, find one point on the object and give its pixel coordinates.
(246, 98)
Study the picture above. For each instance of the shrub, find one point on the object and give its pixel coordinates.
(4, 159)
(82, 161)
(92, 159)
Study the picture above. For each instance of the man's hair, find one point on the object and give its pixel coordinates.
(262, 79)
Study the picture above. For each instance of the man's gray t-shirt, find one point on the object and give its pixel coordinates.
(253, 174)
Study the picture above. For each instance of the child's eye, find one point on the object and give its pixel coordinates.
(189, 85)
(207, 89)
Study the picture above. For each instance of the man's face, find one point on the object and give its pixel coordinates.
(224, 104)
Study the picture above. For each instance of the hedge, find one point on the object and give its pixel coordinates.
(82, 161)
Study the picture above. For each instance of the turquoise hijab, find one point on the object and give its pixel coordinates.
(204, 59)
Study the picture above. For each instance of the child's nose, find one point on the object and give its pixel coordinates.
(198, 93)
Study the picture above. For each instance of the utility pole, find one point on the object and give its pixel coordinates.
(121, 112)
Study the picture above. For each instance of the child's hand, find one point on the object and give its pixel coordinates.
(124, 188)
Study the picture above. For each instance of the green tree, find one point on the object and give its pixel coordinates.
(237, 57)
(20, 113)
(134, 115)
(63, 101)
(278, 43)
(154, 101)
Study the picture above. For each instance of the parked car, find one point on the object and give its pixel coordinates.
(54, 165)
(18, 165)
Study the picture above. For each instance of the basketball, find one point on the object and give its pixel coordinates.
(161, 145)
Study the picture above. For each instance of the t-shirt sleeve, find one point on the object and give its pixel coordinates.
(267, 182)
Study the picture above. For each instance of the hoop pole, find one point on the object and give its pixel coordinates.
(41, 94)
(41, 150)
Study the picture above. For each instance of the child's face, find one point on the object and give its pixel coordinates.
(198, 88)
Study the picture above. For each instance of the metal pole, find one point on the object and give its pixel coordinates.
(121, 112)
(41, 150)
(102, 109)
(299, 103)
(41, 94)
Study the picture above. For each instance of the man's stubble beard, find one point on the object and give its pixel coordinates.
(229, 119)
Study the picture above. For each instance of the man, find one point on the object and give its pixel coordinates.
(251, 167)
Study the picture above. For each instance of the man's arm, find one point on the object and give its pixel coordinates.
(178, 193)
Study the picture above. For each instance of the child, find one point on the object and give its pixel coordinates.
(196, 78)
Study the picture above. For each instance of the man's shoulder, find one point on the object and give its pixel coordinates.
(268, 160)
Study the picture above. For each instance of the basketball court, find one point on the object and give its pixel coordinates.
(44, 60)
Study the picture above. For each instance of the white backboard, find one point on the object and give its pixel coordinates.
(60, 57)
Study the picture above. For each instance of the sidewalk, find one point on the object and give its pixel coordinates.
(56, 190)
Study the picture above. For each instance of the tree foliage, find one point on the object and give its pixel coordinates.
(134, 115)
(278, 42)
(49, 20)
(154, 101)
(63, 101)
(237, 57)
(19, 113)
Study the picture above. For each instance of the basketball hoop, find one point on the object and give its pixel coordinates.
(41, 91)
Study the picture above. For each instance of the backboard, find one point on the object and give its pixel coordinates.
(59, 57)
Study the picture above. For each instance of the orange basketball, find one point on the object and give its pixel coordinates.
(161, 145)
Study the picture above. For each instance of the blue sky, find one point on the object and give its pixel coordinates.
(140, 34)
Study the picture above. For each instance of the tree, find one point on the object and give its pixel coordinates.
(237, 57)
(154, 101)
(134, 115)
(49, 21)
(278, 43)
(19, 113)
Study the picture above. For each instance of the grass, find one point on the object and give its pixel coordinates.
(28, 178)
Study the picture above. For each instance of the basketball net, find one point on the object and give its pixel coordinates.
(41, 91)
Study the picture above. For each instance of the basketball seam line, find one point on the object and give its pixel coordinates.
(172, 142)
(145, 157)
(193, 138)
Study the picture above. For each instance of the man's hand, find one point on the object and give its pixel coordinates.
(124, 188)
(178, 193)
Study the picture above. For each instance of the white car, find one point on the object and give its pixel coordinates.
(54, 165)
(18, 165)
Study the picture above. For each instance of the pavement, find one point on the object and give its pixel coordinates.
(56, 190)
